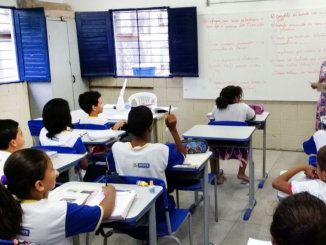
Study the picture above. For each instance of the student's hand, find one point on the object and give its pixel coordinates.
(108, 189)
(119, 124)
(171, 121)
(310, 171)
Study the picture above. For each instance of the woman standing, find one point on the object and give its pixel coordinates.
(321, 105)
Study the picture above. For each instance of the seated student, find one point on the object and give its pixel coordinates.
(57, 121)
(140, 158)
(230, 108)
(27, 214)
(316, 141)
(92, 104)
(299, 220)
(11, 140)
(315, 187)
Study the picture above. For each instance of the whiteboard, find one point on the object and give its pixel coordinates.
(271, 55)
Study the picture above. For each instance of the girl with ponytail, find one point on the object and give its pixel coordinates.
(27, 214)
(230, 108)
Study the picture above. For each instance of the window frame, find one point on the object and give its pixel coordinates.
(115, 55)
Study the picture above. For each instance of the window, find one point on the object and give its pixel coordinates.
(153, 42)
(8, 58)
(141, 42)
(23, 45)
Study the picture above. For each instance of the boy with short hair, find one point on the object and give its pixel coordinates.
(11, 140)
(92, 104)
(140, 158)
(316, 187)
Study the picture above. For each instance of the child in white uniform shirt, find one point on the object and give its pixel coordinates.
(27, 214)
(315, 187)
(92, 104)
(11, 140)
(299, 220)
(229, 108)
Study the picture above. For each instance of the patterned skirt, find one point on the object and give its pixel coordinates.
(321, 110)
(226, 153)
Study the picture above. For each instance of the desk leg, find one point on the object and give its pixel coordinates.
(71, 174)
(206, 205)
(265, 175)
(152, 226)
(252, 201)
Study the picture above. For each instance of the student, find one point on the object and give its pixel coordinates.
(27, 214)
(315, 187)
(299, 220)
(92, 104)
(316, 141)
(229, 108)
(11, 140)
(56, 120)
(140, 158)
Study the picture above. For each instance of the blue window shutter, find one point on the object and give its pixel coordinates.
(32, 44)
(183, 43)
(96, 44)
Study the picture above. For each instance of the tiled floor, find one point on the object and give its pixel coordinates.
(232, 201)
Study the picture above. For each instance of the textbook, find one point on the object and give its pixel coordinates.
(93, 195)
(257, 242)
(101, 134)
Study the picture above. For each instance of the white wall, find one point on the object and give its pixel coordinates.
(8, 3)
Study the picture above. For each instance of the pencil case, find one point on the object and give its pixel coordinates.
(259, 109)
(195, 146)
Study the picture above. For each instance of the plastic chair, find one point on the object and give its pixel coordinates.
(35, 127)
(90, 126)
(310, 149)
(3, 242)
(143, 98)
(174, 220)
(228, 123)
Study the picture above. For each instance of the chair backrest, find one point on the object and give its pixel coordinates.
(90, 126)
(59, 149)
(228, 123)
(3, 242)
(35, 127)
(143, 98)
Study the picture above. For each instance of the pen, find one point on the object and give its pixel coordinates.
(106, 178)
(169, 109)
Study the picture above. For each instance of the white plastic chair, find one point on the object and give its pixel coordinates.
(143, 98)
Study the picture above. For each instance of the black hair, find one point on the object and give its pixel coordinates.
(88, 99)
(22, 169)
(321, 158)
(227, 96)
(299, 220)
(140, 118)
(56, 116)
(8, 132)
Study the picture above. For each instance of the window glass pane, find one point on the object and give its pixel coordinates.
(8, 59)
(141, 42)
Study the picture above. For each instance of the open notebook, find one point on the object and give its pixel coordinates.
(93, 195)
(101, 134)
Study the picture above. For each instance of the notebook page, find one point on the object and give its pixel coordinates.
(258, 242)
(122, 201)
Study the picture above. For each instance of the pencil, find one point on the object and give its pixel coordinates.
(106, 178)
(169, 109)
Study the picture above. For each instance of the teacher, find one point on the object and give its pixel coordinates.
(321, 104)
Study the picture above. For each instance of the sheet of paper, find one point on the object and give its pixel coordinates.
(258, 242)
(101, 134)
(123, 198)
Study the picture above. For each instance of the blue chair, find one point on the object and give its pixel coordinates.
(90, 126)
(3, 242)
(35, 127)
(310, 149)
(174, 219)
(228, 123)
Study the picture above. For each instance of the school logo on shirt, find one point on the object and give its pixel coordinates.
(24, 232)
(140, 165)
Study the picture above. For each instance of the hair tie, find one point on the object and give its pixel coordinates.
(4, 180)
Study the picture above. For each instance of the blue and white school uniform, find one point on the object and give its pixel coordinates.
(239, 112)
(3, 157)
(53, 222)
(65, 138)
(150, 160)
(316, 141)
(315, 187)
(94, 120)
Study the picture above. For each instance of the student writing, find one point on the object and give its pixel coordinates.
(27, 214)
(11, 140)
(230, 108)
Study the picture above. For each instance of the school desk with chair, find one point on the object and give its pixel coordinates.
(195, 167)
(143, 204)
(261, 122)
(229, 136)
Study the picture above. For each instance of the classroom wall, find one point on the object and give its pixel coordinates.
(290, 123)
